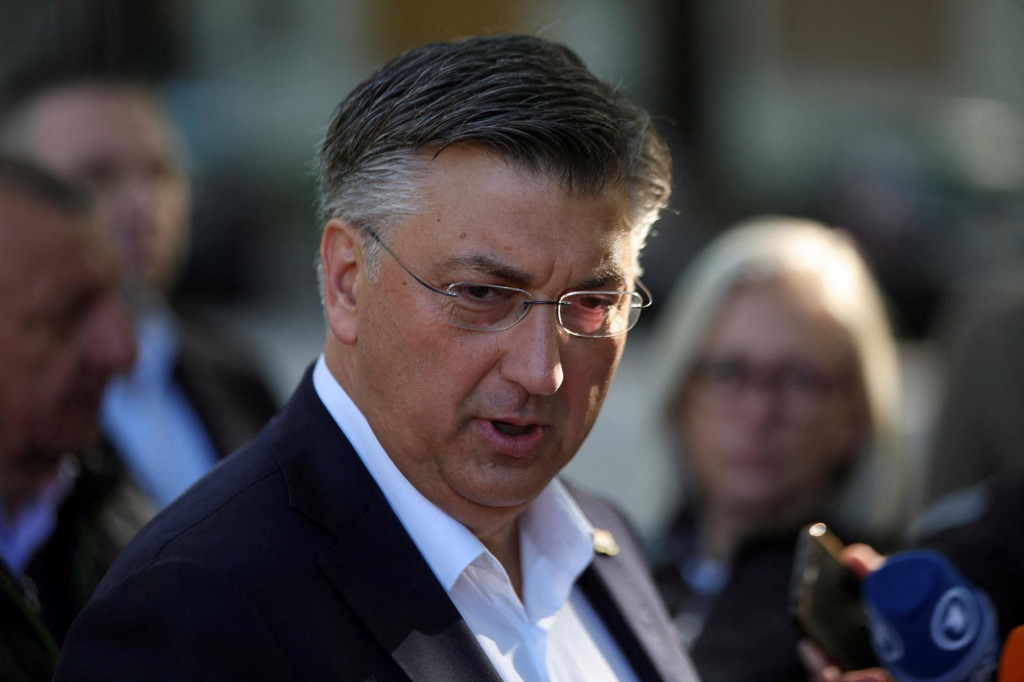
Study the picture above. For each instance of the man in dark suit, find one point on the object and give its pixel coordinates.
(193, 396)
(484, 202)
(66, 508)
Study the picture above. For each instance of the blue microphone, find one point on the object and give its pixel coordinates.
(929, 623)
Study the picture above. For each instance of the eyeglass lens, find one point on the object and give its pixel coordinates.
(582, 313)
(491, 307)
(799, 389)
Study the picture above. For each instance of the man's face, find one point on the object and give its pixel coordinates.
(435, 394)
(63, 333)
(116, 141)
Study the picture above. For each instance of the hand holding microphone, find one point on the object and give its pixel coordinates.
(928, 622)
(860, 560)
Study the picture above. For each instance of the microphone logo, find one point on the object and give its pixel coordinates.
(956, 619)
(886, 641)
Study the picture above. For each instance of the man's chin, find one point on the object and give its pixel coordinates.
(40, 467)
(504, 494)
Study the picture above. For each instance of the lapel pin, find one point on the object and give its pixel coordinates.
(604, 543)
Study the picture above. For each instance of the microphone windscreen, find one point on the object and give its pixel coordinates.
(1011, 663)
(928, 622)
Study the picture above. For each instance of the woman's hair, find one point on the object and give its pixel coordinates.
(876, 496)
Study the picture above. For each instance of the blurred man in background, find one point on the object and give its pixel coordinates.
(68, 507)
(192, 397)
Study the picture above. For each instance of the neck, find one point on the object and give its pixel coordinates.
(720, 534)
(504, 545)
(339, 362)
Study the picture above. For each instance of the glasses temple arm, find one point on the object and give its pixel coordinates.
(646, 293)
(376, 237)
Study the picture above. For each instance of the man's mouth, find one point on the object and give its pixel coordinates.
(518, 440)
(513, 429)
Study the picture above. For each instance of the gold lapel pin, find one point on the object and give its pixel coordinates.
(604, 543)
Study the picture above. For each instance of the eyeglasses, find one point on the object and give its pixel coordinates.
(494, 308)
(798, 390)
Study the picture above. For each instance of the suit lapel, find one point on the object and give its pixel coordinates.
(620, 613)
(618, 586)
(375, 566)
(398, 598)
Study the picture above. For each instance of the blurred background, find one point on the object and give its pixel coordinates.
(900, 121)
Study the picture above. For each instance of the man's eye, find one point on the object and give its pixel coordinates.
(596, 302)
(100, 174)
(477, 292)
(161, 169)
(480, 293)
(63, 318)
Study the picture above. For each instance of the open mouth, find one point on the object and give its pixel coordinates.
(513, 429)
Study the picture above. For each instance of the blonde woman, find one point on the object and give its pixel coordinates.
(777, 383)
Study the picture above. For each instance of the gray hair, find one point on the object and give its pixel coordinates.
(877, 495)
(530, 101)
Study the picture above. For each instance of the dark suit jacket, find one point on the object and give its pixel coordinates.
(93, 523)
(287, 563)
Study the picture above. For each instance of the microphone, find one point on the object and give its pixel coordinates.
(1011, 663)
(928, 622)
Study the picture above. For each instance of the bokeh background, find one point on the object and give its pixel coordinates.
(900, 120)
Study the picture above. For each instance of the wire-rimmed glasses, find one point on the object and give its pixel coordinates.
(799, 390)
(494, 308)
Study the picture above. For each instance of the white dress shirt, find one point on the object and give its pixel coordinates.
(33, 525)
(149, 419)
(553, 633)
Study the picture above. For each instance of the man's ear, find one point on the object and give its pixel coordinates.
(341, 254)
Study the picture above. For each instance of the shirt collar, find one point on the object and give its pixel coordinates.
(157, 339)
(32, 526)
(553, 529)
(557, 545)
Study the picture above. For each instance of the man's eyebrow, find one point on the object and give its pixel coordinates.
(605, 276)
(486, 265)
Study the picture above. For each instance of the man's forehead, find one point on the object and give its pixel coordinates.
(88, 95)
(95, 118)
(606, 272)
(490, 215)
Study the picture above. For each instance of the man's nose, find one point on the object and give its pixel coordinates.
(533, 357)
(136, 199)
